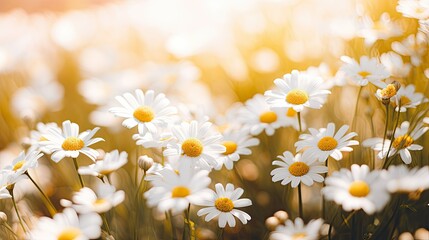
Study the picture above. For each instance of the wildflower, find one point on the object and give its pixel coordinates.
(395, 65)
(111, 162)
(414, 46)
(297, 90)
(236, 143)
(403, 180)
(384, 28)
(322, 143)
(68, 142)
(385, 94)
(406, 97)
(223, 203)
(357, 189)
(413, 9)
(87, 201)
(176, 190)
(257, 116)
(298, 169)
(67, 225)
(297, 230)
(403, 142)
(145, 162)
(36, 136)
(197, 144)
(154, 140)
(367, 70)
(144, 110)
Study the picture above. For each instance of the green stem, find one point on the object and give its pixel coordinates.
(106, 224)
(386, 160)
(10, 230)
(220, 235)
(299, 121)
(51, 208)
(76, 166)
(323, 199)
(301, 215)
(356, 109)
(169, 216)
(16, 210)
(137, 202)
(387, 124)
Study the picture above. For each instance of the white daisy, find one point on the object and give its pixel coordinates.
(22, 163)
(395, 65)
(87, 201)
(384, 29)
(144, 110)
(322, 143)
(236, 143)
(174, 191)
(357, 189)
(403, 180)
(67, 225)
(406, 97)
(367, 70)
(297, 230)
(68, 142)
(257, 116)
(402, 143)
(413, 9)
(6, 184)
(414, 46)
(111, 162)
(222, 203)
(297, 90)
(157, 139)
(197, 144)
(36, 136)
(297, 169)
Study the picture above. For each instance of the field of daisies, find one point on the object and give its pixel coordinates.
(168, 119)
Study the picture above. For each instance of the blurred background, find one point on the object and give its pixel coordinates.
(67, 60)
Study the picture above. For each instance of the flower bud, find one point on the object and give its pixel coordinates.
(282, 216)
(271, 223)
(145, 162)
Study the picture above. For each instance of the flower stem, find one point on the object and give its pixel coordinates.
(51, 208)
(106, 224)
(188, 229)
(16, 210)
(356, 109)
(323, 199)
(220, 235)
(10, 230)
(386, 160)
(387, 124)
(137, 198)
(301, 215)
(76, 166)
(299, 121)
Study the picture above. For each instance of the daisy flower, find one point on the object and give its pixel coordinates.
(322, 143)
(395, 65)
(87, 201)
(402, 143)
(257, 116)
(414, 46)
(297, 230)
(407, 98)
(222, 203)
(413, 9)
(297, 169)
(22, 163)
(197, 144)
(174, 191)
(297, 90)
(403, 180)
(384, 28)
(357, 189)
(67, 225)
(111, 162)
(157, 139)
(144, 110)
(36, 136)
(236, 143)
(365, 71)
(68, 142)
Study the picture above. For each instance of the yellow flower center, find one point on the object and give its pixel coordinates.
(364, 74)
(70, 233)
(290, 112)
(144, 114)
(100, 201)
(298, 169)
(224, 204)
(231, 147)
(72, 144)
(297, 96)
(192, 147)
(327, 143)
(180, 192)
(389, 91)
(18, 165)
(299, 236)
(268, 117)
(402, 142)
(359, 188)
